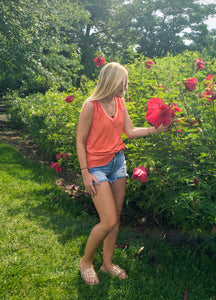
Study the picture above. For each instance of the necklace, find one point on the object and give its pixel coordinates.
(111, 112)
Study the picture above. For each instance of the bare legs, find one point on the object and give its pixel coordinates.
(118, 190)
(108, 202)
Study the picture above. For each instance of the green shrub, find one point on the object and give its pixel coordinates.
(181, 162)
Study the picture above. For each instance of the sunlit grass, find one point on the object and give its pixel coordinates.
(42, 237)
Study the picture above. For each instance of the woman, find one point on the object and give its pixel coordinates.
(100, 151)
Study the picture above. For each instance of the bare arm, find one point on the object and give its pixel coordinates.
(133, 132)
(84, 125)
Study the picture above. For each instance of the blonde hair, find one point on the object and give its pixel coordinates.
(111, 75)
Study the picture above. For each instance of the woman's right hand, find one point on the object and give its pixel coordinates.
(89, 180)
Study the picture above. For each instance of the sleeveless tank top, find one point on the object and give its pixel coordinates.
(104, 138)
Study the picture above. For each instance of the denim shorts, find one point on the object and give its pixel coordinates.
(115, 169)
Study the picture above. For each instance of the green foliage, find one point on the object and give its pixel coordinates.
(38, 47)
(175, 159)
(50, 120)
(181, 162)
(46, 43)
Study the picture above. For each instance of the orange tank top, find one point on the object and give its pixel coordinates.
(104, 139)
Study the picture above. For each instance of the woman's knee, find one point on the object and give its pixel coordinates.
(110, 223)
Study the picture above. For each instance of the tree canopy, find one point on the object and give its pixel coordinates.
(46, 42)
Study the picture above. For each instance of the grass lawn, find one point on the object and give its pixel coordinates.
(42, 237)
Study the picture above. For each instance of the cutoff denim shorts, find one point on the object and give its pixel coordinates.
(115, 169)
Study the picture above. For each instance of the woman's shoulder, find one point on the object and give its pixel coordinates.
(88, 106)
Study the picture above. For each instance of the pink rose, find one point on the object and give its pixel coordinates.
(149, 64)
(58, 156)
(209, 77)
(99, 61)
(199, 63)
(66, 155)
(140, 173)
(69, 99)
(190, 84)
(56, 167)
(174, 108)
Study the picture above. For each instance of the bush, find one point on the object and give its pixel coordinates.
(181, 162)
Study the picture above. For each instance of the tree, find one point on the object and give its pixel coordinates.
(93, 37)
(157, 27)
(38, 43)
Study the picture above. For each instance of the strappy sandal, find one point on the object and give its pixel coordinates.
(115, 270)
(89, 275)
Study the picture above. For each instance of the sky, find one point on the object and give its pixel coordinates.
(211, 22)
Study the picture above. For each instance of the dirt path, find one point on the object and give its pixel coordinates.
(30, 150)
(17, 139)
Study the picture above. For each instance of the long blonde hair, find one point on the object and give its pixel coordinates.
(111, 75)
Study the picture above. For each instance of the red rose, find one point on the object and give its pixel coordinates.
(99, 61)
(58, 156)
(210, 94)
(199, 63)
(158, 113)
(190, 84)
(209, 77)
(140, 173)
(66, 155)
(56, 167)
(149, 64)
(174, 108)
(69, 99)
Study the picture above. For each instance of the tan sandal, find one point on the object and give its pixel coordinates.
(115, 270)
(89, 275)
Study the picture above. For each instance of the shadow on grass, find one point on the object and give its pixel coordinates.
(42, 200)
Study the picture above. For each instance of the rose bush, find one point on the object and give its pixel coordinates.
(180, 163)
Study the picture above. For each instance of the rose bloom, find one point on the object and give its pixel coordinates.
(66, 155)
(60, 155)
(199, 63)
(149, 64)
(158, 113)
(56, 167)
(69, 99)
(190, 84)
(209, 77)
(210, 95)
(99, 61)
(174, 108)
(140, 173)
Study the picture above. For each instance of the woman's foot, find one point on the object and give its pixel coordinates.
(88, 273)
(114, 270)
